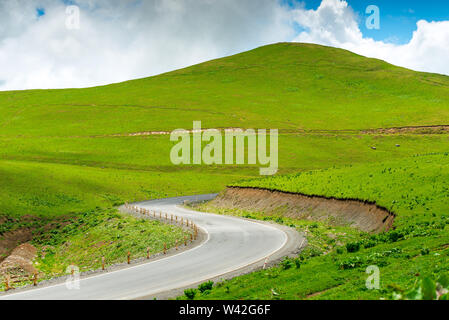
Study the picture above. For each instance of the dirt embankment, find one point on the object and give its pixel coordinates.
(364, 216)
(20, 262)
(10, 240)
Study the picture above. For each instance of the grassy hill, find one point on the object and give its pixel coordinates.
(60, 157)
(285, 86)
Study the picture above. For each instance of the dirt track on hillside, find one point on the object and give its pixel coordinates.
(358, 214)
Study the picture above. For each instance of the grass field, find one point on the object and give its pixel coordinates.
(59, 158)
(414, 188)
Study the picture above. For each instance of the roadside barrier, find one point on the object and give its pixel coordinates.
(174, 220)
(9, 280)
(167, 218)
(7, 288)
(265, 263)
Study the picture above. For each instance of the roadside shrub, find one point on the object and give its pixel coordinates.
(286, 264)
(272, 273)
(297, 263)
(190, 293)
(279, 220)
(353, 246)
(369, 244)
(351, 263)
(340, 250)
(205, 286)
(425, 251)
(395, 236)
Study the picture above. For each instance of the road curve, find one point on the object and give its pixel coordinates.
(231, 244)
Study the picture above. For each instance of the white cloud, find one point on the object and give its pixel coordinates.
(335, 24)
(120, 40)
(127, 39)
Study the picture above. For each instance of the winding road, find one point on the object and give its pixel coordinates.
(231, 246)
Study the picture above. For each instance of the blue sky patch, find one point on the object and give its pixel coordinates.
(40, 12)
(398, 18)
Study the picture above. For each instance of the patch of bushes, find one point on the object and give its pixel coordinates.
(206, 286)
(190, 293)
(353, 246)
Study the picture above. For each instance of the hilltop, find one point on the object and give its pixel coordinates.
(286, 86)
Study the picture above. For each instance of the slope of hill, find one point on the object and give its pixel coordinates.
(334, 266)
(60, 157)
(285, 86)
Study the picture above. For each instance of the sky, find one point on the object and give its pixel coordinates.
(81, 43)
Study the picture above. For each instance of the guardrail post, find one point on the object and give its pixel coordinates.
(148, 253)
(165, 248)
(35, 278)
(7, 288)
(185, 241)
(129, 257)
(102, 263)
(176, 244)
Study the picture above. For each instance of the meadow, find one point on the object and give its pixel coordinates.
(334, 264)
(70, 153)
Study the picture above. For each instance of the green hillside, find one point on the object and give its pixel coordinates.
(61, 158)
(333, 266)
(285, 86)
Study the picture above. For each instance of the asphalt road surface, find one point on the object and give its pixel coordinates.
(231, 246)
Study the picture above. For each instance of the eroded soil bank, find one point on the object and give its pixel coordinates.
(364, 216)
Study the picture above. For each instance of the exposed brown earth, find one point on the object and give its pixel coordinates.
(437, 129)
(12, 239)
(364, 216)
(19, 264)
(442, 129)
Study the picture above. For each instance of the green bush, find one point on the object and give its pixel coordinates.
(351, 263)
(369, 243)
(395, 236)
(190, 293)
(205, 286)
(287, 264)
(353, 246)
